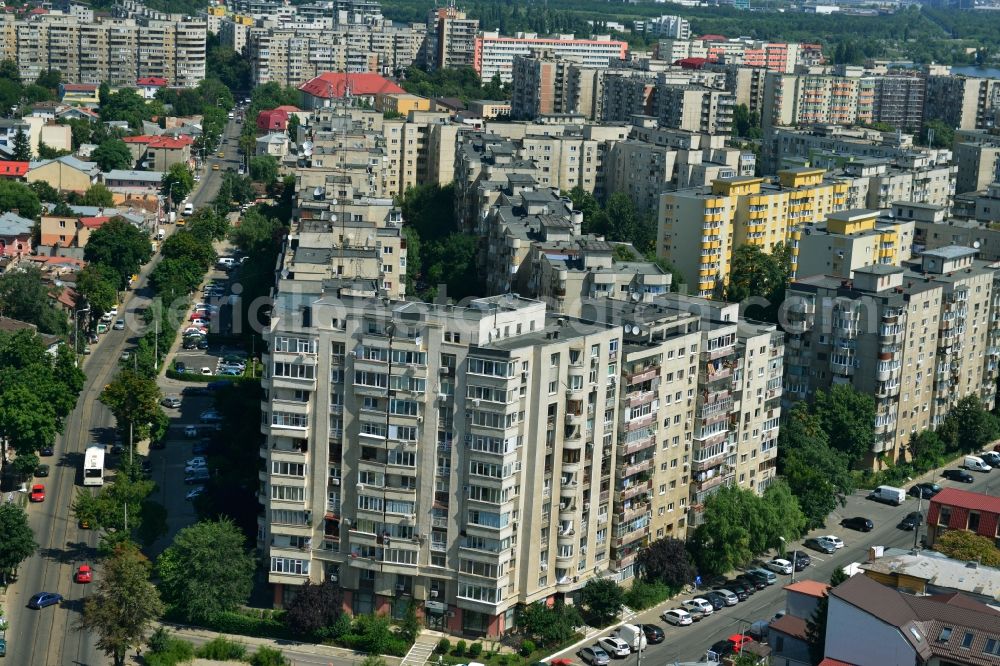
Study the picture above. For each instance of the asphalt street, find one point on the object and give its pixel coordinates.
(690, 643)
(48, 636)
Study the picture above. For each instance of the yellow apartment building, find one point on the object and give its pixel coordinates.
(698, 228)
(852, 239)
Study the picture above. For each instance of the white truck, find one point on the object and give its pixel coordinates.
(633, 635)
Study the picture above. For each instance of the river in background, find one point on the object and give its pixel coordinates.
(969, 70)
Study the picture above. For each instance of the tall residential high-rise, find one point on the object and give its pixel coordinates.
(438, 454)
(451, 38)
(494, 53)
(700, 227)
(117, 50)
(917, 337)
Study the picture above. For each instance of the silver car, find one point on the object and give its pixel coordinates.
(595, 656)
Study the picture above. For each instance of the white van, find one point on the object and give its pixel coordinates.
(976, 464)
(189, 209)
(889, 495)
(632, 635)
(160, 234)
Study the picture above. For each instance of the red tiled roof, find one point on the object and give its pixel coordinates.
(58, 260)
(790, 626)
(813, 588)
(834, 662)
(168, 142)
(94, 222)
(37, 11)
(11, 169)
(334, 84)
(79, 87)
(967, 500)
(713, 38)
(151, 81)
(275, 119)
(692, 63)
(287, 107)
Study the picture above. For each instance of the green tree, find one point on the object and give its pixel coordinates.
(49, 79)
(206, 570)
(968, 427)
(264, 169)
(134, 401)
(119, 245)
(98, 284)
(24, 295)
(595, 220)
(667, 561)
(128, 105)
(177, 183)
(783, 515)
(268, 656)
(45, 192)
(755, 274)
(373, 660)
(818, 475)
(21, 146)
(28, 422)
(293, 127)
(430, 209)
(937, 134)
(25, 464)
(968, 547)
(452, 261)
(547, 625)
(10, 71)
(17, 541)
(47, 152)
(848, 417)
(113, 153)
(927, 450)
(731, 532)
(603, 599)
(98, 195)
(20, 197)
(125, 605)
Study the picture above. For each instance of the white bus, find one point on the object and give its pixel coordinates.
(93, 466)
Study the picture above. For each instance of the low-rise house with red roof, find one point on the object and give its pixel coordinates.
(51, 342)
(319, 91)
(13, 170)
(78, 113)
(15, 235)
(786, 635)
(869, 623)
(148, 86)
(81, 94)
(274, 120)
(955, 509)
(67, 236)
(159, 153)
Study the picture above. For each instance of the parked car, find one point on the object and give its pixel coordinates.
(738, 586)
(959, 475)
(822, 544)
(202, 343)
(717, 600)
(46, 451)
(615, 646)
(835, 540)
(595, 656)
(44, 599)
(913, 520)
(752, 581)
(42, 470)
(195, 492)
(84, 574)
(800, 560)
(738, 592)
(180, 366)
(779, 565)
(37, 493)
(766, 575)
(698, 604)
(991, 458)
(191, 431)
(210, 416)
(200, 447)
(859, 523)
(172, 401)
(677, 617)
(119, 325)
(654, 634)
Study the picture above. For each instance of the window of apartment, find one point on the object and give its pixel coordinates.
(288, 468)
(289, 566)
(294, 370)
(288, 493)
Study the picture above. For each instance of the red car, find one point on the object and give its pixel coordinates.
(84, 574)
(37, 493)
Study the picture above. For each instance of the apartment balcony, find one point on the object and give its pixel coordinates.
(566, 537)
(573, 466)
(626, 560)
(632, 491)
(632, 447)
(709, 483)
(637, 399)
(710, 462)
(631, 470)
(642, 375)
(633, 512)
(574, 419)
(705, 441)
(632, 537)
(640, 422)
(578, 392)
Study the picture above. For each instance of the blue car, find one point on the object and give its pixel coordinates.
(43, 599)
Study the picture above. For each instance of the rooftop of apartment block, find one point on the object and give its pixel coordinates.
(938, 570)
